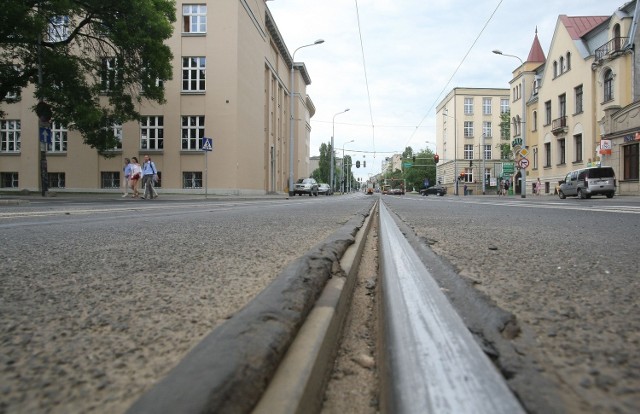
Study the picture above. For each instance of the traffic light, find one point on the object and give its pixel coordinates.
(357, 164)
(364, 164)
(436, 158)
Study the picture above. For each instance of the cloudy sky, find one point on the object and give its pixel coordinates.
(414, 52)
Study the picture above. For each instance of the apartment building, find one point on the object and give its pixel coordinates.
(231, 83)
(580, 100)
(468, 138)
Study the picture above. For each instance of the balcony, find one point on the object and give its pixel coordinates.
(559, 125)
(610, 49)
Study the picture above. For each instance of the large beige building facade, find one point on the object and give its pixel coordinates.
(583, 92)
(468, 138)
(231, 82)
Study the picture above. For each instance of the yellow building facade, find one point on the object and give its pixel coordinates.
(581, 93)
(231, 83)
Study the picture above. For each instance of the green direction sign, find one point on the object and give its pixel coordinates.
(508, 168)
(407, 164)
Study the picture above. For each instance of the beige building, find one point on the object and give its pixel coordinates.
(468, 138)
(585, 90)
(231, 82)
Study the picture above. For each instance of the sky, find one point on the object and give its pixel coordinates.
(391, 62)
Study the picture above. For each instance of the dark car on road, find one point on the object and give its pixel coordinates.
(434, 189)
(306, 186)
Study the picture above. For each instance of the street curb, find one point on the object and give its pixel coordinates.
(298, 384)
(229, 370)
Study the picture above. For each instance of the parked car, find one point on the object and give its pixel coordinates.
(585, 182)
(434, 189)
(325, 189)
(306, 186)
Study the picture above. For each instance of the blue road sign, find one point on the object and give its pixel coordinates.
(45, 135)
(207, 144)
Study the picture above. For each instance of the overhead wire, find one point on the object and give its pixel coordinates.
(366, 78)
(455, 71)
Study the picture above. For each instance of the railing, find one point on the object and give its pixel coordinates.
(612, 46)
(559, 124)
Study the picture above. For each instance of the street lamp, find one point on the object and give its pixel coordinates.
(293, 57)
(523, 129)
(342, 183)
(333, 184)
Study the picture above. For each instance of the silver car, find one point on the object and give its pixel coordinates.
(585, 182)
(306, 186)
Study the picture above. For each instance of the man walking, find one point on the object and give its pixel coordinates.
(148, 173)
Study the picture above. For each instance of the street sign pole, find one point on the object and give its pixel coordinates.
(207, 147)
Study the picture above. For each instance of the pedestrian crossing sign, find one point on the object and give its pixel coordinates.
(207, 144)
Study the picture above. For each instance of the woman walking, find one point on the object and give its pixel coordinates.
(136, 174)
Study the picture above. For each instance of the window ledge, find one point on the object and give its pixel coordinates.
(191, 152)
(10, 153)
(193, 92)
(196, 34)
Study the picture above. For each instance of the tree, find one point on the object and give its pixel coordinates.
(423, 168)
(90, 61)
(505, 134)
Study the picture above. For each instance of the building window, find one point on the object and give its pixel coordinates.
(487, 152)
(194, 18)
(486, 106)
(562, 104)
(579, 94)
(152, 133)
(555, 69)
(547, 113)
(468, 151)
(56, 180)
(9, 180)
(504, 106)
(58, 138)
(562, 159)
(110, 179)
(547, 154)
(192, 179)
(535, 121)
(486, 129)
(608, 85)
(193, 74)
(468, 175)
(631, 161)
(562, 68)
(568, 60)
(577, 144)
(192, 132)
(117, 133)
(468, 106)
(59, 28)
(10, 135)
(108, 74)
(535, 158)
(468, 129)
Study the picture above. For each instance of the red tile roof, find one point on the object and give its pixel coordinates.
(578, 26)
(536, 54)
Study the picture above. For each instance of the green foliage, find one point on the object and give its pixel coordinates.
(424, 167)
(131, 32)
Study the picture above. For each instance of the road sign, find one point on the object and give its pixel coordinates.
(45, 135)
(523, 163)
(407, 164)
(207, 144)
(508, 168)
(524, 152)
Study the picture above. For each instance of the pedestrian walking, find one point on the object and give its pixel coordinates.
(126, 176)
(505, 188)
(538, 187)
(149, 173)
(136, 174)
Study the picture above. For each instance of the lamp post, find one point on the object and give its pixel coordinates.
(455, 149)
(291, 119)
(484, 170)
(333, 184)
(523, 128)
(342, 183)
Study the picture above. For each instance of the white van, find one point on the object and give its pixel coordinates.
(586, 182)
